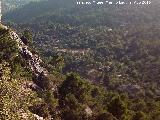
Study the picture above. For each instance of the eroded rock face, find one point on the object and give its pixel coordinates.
(24, 86)
(88, 111)
(38, 117)
(33, 60)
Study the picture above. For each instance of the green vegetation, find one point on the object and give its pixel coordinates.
(75, 98)
(14, 98)
(103, 62)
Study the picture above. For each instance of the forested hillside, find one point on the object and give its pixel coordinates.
(57, 11)
(114, 48)
(28, 94)
(112, 45)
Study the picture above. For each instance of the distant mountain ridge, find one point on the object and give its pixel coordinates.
(8, 5)
(53, 10)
